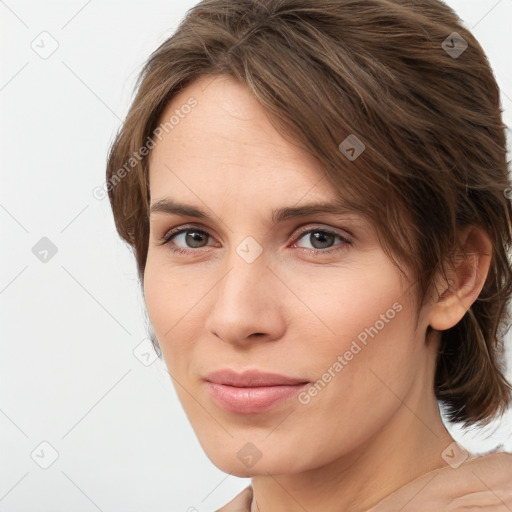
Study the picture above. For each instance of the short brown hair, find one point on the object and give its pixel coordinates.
(434, 158)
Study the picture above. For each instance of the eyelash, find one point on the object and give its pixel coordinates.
(166, 239)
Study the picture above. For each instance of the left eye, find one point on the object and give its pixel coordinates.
(322, 239)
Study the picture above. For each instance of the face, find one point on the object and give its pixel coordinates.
(309, 297)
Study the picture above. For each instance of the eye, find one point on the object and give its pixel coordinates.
(193, 238)
(322, 239)
(188, 239)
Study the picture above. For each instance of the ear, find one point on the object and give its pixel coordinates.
(466, 277)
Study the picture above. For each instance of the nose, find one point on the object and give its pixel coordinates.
(248, 303)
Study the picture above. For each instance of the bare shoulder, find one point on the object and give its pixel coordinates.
(482, 483)
(240, 503)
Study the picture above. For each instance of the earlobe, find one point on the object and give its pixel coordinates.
(466, 275)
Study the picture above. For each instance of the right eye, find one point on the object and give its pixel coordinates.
(191, 238)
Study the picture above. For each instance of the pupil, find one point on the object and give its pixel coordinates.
(194, 237)
(320, 237)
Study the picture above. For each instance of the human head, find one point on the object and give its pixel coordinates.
(434, 159)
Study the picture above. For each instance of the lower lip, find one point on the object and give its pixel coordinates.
(251, 400)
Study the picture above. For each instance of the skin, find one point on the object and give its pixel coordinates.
(376, 425)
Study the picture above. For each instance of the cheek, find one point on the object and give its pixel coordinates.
(169, 292)
(360, 386)
(351, 304)
(170, 305)
(367, 336)
(157, 286)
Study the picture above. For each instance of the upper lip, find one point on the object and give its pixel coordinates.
(251, 378)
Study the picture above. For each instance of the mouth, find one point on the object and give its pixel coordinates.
(251, 392)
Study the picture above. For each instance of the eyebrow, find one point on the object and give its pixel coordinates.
(170, 207)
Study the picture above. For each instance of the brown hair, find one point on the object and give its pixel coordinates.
(386, 72)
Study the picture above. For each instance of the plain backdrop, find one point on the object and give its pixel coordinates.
(88, 421)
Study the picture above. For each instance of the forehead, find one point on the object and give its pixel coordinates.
(227, 142)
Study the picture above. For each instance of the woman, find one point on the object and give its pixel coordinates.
(316, 195)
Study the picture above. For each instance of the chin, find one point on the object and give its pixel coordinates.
(244, 458)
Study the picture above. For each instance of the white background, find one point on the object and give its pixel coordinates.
(69, 376)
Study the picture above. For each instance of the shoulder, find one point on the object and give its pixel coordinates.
(240, 503)
(482, 483)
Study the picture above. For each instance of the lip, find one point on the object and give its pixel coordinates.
(251, 392)
(251, 378)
